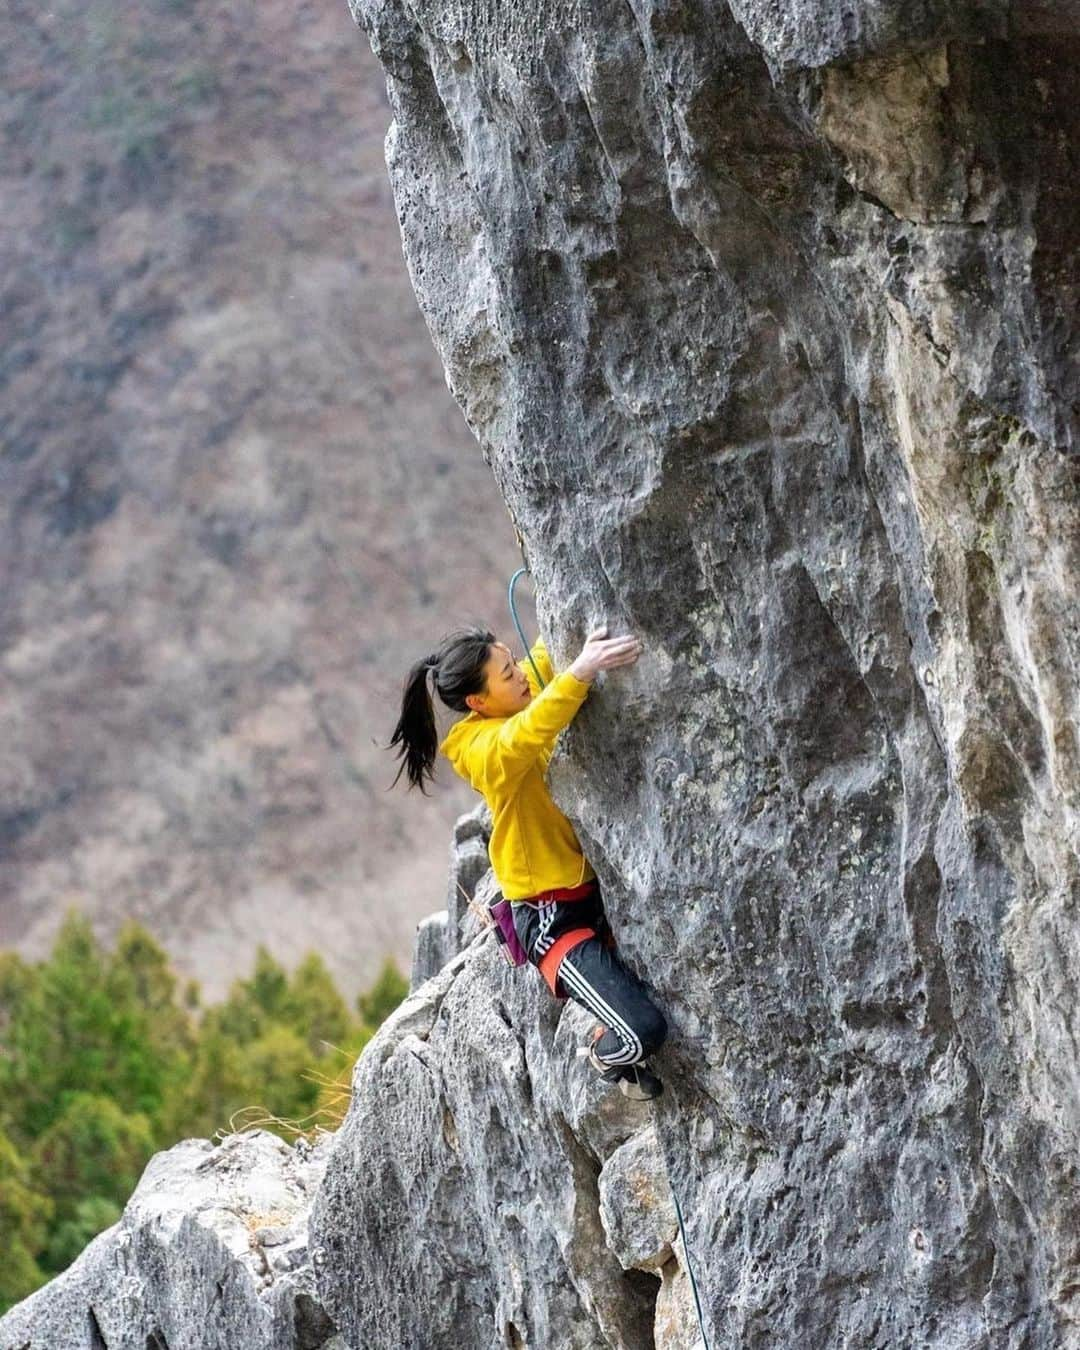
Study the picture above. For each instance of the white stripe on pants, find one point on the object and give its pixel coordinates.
(574, 979)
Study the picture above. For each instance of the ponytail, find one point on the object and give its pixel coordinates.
(415, 732)
(458, 667)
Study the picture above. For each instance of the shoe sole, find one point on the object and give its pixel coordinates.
(636, 1093)
(629, 1087)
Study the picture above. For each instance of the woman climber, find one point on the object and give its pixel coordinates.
(502, 748)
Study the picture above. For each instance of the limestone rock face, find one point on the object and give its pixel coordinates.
(470, 887)
(462, 1203)
(766, 318)
(636, 1208)
(209, 1254)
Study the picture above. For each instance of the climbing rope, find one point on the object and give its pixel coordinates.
(522, 571)
(686, 1253)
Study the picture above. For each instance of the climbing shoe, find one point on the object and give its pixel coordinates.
(610, 1073)
(635, 1081)
(639, 1083)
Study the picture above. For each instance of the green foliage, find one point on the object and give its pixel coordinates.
(103, 1063)
(384, 996)
(276, 1064)
(252, 1004)
(94, 1148)
(24, 1217)
(84, 1022)
(68, 1237)
(215, 1088)
(314, 1007)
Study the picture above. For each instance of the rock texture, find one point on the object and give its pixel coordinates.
(470, 886)
(209, 1254)
(514, 1202)
(766, 319)
(236, 499)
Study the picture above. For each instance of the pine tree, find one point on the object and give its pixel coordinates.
(102, 1063)
(94, 1149)
(314, 1007)
(252, 1005)
(384, 995)
(24, 1218)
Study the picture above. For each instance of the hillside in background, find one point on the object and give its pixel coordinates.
(238, 499)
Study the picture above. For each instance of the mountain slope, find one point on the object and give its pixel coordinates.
(237, 499)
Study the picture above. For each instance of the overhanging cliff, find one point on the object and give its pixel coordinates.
(765, 318)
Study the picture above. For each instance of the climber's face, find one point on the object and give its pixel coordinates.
(507, 688)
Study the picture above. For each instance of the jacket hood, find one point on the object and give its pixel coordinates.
(457, 740)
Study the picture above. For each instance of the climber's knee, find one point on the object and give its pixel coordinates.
(652, 1030)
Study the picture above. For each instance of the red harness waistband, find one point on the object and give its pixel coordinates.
(563, 893)
(550, 962)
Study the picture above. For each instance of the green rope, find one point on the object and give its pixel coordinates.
(689, 1266)
(682, 1234)
(522, 571)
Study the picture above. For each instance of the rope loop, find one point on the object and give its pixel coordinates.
(522, 571)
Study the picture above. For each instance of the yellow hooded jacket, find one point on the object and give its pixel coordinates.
(533, 846)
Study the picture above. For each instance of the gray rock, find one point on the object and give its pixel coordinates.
(676, 1326)
(471, 887)
(456, 1170)
(430, 948)
(209, 1254)
(636, 1206)
(469, 864)
(765, 317)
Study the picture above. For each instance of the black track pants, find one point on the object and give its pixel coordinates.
(592, 975)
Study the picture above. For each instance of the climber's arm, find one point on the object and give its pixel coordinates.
(507, 748)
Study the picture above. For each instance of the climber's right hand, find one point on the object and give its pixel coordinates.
(604, 653)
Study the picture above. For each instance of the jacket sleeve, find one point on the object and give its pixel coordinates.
(512, 745)
(539, 654)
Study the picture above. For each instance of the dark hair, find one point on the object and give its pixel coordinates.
(458, 664)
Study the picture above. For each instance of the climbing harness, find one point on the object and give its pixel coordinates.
(522, 571)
